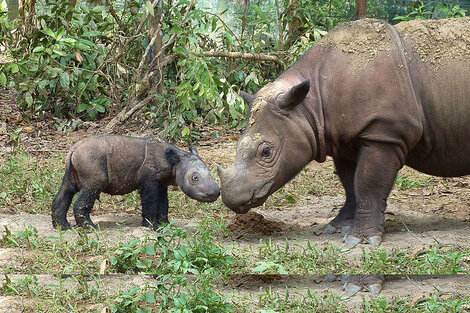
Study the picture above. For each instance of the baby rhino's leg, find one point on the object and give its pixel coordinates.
(162, 214)
(61, 205)
(83, 205)
(149, 198)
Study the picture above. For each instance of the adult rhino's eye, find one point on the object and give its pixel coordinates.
(266, 153)
(195, 178)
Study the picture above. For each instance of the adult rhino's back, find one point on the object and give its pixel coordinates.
(438, 54)
(414, 77)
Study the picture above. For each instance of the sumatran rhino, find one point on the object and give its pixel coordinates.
(372, 96)
(118, 165)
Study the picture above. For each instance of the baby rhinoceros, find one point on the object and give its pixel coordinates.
(118, 165)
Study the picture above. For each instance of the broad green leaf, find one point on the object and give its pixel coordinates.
(185, 132)
(98, 9)
(3, 79)
(14, 68)
(100, 108)
(150, 297)
(29, 98)
(61, 53)
(50, 32)
(60, 33)
(69, 40)
(38, 49)
(23, 69)
(64, 80)
(92, 33)
(43, 83)
(149, 7)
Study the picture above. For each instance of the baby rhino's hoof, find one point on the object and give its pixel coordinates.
(62, 225)
(156, 224)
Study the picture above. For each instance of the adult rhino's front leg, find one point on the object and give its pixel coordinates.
(344, 220)
(377, 166)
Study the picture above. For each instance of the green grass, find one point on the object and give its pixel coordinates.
(191, 263)
(327, 258)
(29, 183)
(404, 181)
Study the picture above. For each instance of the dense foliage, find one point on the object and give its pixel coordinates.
(88, 59)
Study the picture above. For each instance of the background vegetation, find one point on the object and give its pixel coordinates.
(181, 62)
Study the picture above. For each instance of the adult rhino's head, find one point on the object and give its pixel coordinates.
(192, 175)
(273, 148)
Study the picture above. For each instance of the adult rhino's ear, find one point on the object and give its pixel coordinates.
(247, 97)
(294, 96)
(193, 151)
(172, 156)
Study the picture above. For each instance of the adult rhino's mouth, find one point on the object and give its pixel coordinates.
(252, 203)
(241, 200)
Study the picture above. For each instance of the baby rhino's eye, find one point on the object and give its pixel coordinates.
(195, 177)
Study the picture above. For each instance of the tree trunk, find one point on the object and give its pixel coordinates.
(294, 24)
(153, 24)
(13, 9)
(361, 6)
(30, 12)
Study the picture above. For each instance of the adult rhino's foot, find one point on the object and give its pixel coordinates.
(356, 283)
(339, 225)
(358, 235)
(354, 240)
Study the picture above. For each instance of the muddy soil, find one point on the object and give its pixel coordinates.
(436, 213)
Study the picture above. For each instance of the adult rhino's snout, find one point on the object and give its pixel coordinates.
(233, 190)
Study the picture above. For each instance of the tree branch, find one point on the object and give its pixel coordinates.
(116, 17)
(244, 55)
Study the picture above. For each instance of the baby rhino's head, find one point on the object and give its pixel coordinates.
(193, 176)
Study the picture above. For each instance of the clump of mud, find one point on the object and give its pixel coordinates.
(254, 223)
(362, 41)
(438, 41)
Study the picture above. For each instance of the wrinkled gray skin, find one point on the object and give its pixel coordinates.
(118, 165)
(372, 109)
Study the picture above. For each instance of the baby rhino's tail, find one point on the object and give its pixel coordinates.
(64, 197)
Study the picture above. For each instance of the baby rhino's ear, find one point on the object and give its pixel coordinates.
(193, 151)
(172, 156)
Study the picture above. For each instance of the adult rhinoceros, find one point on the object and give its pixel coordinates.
(374, 97)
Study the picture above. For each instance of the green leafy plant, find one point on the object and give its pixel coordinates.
(270, 267)
(135, 300)
(130, 258)
(26, 286)
(198, 296)
(196, 254)
(28, 237)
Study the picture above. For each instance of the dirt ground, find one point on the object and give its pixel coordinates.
(416, 218)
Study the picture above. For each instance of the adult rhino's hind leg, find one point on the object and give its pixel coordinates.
(344, 220)
(83, 205)
(377, 167)
(61, 205)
